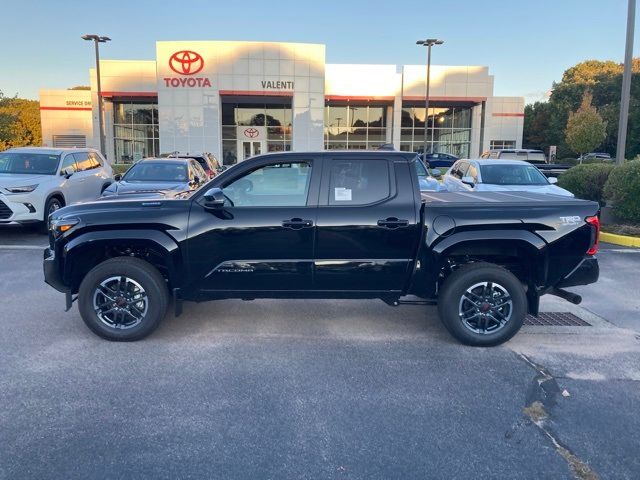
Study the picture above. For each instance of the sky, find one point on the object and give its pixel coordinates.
(527, 44)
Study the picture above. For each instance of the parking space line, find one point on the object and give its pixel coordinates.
(22, 247)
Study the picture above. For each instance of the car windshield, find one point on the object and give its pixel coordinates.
(512, 175)
(29, 163)
(157, 172)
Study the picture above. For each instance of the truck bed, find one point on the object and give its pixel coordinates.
(457, 199)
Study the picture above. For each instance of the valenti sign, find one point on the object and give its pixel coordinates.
(186, 63)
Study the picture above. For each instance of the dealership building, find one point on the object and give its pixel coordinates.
(238, 99)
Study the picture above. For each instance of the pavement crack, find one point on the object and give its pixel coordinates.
(542, 396)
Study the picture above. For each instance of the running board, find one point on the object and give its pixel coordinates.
(395, 302)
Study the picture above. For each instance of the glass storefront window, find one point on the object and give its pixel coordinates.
(448, 129)
(277, 117)
(355, 127)
(135, 131)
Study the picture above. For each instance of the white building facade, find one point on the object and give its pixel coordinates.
(239, 99)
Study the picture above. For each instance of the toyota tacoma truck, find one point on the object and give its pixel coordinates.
(323, 225)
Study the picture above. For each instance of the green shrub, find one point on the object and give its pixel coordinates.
(623, 189)
(586, 181)
(120, 167)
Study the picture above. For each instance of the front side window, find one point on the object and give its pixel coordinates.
(358, 182)
(275, 185)
(28, 163)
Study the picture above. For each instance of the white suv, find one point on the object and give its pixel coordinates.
(35, 181)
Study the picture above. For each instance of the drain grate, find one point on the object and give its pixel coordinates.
(555, 319)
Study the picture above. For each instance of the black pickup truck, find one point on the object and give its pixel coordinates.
(323, 225)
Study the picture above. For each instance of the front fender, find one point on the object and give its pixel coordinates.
(84, 251)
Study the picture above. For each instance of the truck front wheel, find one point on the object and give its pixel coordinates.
(482, 304)
(123, 299)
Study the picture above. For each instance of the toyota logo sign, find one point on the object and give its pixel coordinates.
(186, 62)
(251, 132)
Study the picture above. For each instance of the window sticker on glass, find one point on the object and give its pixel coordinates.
(342, 194)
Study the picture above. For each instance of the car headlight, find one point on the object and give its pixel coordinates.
(62, 225)
(25, 189)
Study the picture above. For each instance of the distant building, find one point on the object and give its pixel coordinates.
(238, 99)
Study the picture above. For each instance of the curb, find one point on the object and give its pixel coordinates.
(623, 240)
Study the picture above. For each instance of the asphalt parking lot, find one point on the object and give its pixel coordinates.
(315, 389)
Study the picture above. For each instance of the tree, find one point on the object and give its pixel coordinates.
(585, 128)
(19, 122)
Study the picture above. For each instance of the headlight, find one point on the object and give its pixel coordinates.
(59, 226)
(25, 189)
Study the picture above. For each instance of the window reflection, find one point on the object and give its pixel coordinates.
(354, 127)
(448, 129)
(135, 131)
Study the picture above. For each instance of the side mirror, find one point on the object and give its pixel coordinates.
(468, 181)
(213, 199)
(66, 172)
(436, 173)
(552, 180)
(117, 177)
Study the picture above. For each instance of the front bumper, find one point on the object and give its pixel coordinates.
(20, 208)
(52, 273)
(585, 273)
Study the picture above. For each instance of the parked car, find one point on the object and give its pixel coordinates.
(498, 176)
(439, 160)
(158, 177)
(35, 181)
(207, 161)
(605, 157)
(323, 225)
(534, 157)
(429, 181)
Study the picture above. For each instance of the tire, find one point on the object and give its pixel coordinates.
(482, 304)
(52, 204)
(117, 310)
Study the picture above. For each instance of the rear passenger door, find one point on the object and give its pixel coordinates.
(367, 230)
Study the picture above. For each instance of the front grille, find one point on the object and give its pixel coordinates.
(555, 319)
(5, 212)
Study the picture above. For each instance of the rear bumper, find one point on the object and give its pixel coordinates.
(52, 274)
(585, 273)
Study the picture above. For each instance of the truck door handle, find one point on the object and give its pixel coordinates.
(393, 222)
(297, 223)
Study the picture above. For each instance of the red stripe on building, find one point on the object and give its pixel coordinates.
(264, 93)
(353, 98)
(507, 114)
(446, 99)
(87, 109)
(129, 94)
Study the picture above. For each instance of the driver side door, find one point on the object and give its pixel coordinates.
(262, 240)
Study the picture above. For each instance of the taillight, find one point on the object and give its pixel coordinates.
(595, 233)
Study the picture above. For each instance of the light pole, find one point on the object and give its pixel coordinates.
(97, 39)
(429, 42)
(626, 85)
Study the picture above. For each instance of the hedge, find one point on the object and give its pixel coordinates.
(120, 167)
(623, 190)
(587, 181)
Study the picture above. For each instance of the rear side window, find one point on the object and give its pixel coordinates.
(358, 182)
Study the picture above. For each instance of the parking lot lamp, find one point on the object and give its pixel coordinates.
(97, 39)
(429, 42)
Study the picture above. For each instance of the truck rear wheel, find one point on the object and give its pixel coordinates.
(482, 304)
(123, 299)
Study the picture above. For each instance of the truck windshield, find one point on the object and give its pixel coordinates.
(29, 163)
(512, 175)
(157, 172)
